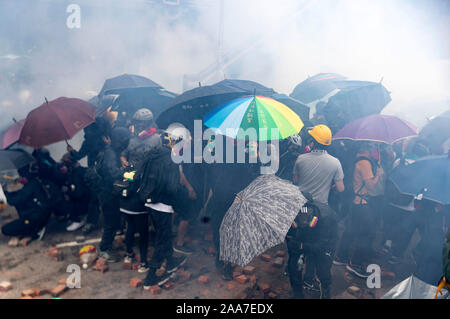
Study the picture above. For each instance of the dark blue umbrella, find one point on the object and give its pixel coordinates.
(429, 176)
(118, 84)
(355, 99)
(316, 87)
(298, 107)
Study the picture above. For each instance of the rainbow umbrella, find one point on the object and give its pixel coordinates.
(270, 119)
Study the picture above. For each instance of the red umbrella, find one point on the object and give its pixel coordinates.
(11, 135)
(56, 121)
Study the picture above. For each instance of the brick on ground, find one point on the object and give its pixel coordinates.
(155, 290)
(5, 286)
(280, 253)
(58, 290)
(169, 285)
(242, 279)
(249, 270)
(278, 262)
(266, 257)
(135, 282)
(264, 287)
(28, 292)
(203, 279)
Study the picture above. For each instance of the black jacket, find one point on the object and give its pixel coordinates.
(30, 202)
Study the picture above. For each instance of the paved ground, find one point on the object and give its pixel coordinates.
(29, 267)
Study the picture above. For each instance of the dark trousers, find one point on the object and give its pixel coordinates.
(111, 220)
(319, 263)
(78, 208)
(24, 227)
(93, 210)
(358, 235)
(295, 274)
(137, 223)
(163, 237)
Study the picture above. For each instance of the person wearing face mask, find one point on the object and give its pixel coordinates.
(31, 205)
(110, 170)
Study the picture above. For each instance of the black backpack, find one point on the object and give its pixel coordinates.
(158, 177)
(92, 178)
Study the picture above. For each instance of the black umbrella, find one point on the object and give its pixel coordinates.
(355, 99)
(436, 132)
(14, 159)
(121, 83)
(298, 107)
(195, 103)
(316, 87)
(128, 93)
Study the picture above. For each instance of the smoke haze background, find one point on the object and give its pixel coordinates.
(276, 43)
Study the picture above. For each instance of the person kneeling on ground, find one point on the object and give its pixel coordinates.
(30, 203)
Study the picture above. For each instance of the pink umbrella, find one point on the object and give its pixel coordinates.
(11, 135)
(56, 121)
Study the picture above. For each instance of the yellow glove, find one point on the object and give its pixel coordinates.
(129, 175)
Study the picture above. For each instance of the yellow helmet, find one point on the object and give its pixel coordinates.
(322, 134)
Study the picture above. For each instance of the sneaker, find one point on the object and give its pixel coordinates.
(174, 263)
(143, 267)
(313, 286)
(182, 250)
(153, 280)
(357, 270)
(75, 226)
(109, 256)
(88, 228)
(340, 262)
(128, 258)
(40, 234)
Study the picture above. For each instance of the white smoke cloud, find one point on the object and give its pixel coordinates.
(276, 43)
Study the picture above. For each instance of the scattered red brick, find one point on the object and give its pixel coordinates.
(278, 262)
(205, 292)
(135, 282)
(169, 285)
(135, 266)
(212, 251)
(236, 274)
(40, 291)
(58, 290)
(5, 286)
(101, 265)
(230, 286)
(203, 279)
(249, 270)
(28, 292)
(62, 281)
(242, 279)
(266, 257)
(280, 253)
(272, 295)
(55, 253)
(264, 287)
(160, 272)
(184, 275)
(155, 290)
(25, 241)
(26, 297)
